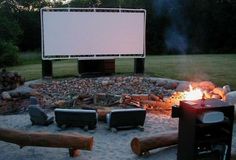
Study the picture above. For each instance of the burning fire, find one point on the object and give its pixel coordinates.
(193, 94)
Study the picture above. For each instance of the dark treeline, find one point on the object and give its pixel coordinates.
(173, 26)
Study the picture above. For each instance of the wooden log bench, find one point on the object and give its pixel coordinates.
(74, 142)
(142, 146)
(76, 118)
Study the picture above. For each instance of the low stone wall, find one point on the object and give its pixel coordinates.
(10, 80)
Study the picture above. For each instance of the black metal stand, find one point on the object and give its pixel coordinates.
(204, 141)
(89, 68)
(47, 69)
(139, 65)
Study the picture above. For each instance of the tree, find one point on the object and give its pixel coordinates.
(28, 15)
(85, 3)
(211, 25)
(9, 34)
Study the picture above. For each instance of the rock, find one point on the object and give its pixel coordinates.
(216, 96)
(183, 86)
(14, 94)
(10, 80)
(136, 81)
(22, 91)
(105, 83)
(206, 85)
(33, 100)
(231, 97)
(152, 80)
(161, 83)
(220, 91)
(226, 88)
(195, 84)
(36, 85)
(171, 85)
(60, 103)
(6, 96)
(118, 79)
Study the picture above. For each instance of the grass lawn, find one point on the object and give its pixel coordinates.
(219, 68)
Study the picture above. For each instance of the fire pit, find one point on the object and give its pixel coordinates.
(205, 129)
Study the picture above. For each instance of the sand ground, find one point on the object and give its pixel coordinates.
(107, 145)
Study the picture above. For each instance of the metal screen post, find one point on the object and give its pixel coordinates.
(46, 68)
(139, 65)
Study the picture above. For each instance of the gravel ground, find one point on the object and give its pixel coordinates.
(107, 145)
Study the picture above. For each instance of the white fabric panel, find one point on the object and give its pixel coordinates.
(96, 33)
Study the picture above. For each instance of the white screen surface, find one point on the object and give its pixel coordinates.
(92, 34)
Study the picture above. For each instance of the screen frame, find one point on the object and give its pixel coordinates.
(91, 56)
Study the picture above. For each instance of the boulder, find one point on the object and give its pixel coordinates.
(183, 86)
(171, 85)
(206, 85)
(6, 96)
(10, 80)
(162, 82)
(231, 97)
(226, 88)
(22, 91)
(219, 91)
(153, 80)
(216, 96)
(105, 83)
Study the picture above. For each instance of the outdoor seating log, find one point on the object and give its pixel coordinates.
(142, 146)
(72, 141)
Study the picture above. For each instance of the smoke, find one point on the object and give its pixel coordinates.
(176, 41)
(175, 36)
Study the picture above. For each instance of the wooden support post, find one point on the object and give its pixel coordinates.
(47, 69)
(74, 152)
(139, 65)
(102, 114)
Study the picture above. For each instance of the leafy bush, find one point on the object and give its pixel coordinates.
(9, 54)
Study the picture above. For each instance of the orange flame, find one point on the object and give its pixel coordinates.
(193, 94)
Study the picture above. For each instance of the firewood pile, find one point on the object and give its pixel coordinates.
(10, 80)
(149, 102)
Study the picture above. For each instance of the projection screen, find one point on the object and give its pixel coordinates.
(92, 33)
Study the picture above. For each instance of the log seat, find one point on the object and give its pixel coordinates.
(73, 141)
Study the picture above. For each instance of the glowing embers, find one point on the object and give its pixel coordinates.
(193, 94)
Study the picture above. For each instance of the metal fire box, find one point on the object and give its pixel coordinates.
(205, 129)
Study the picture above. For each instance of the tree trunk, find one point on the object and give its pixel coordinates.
(143, 145)
(72, 141)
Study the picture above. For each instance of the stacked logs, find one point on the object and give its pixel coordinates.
(148, 102)
(10, 80)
